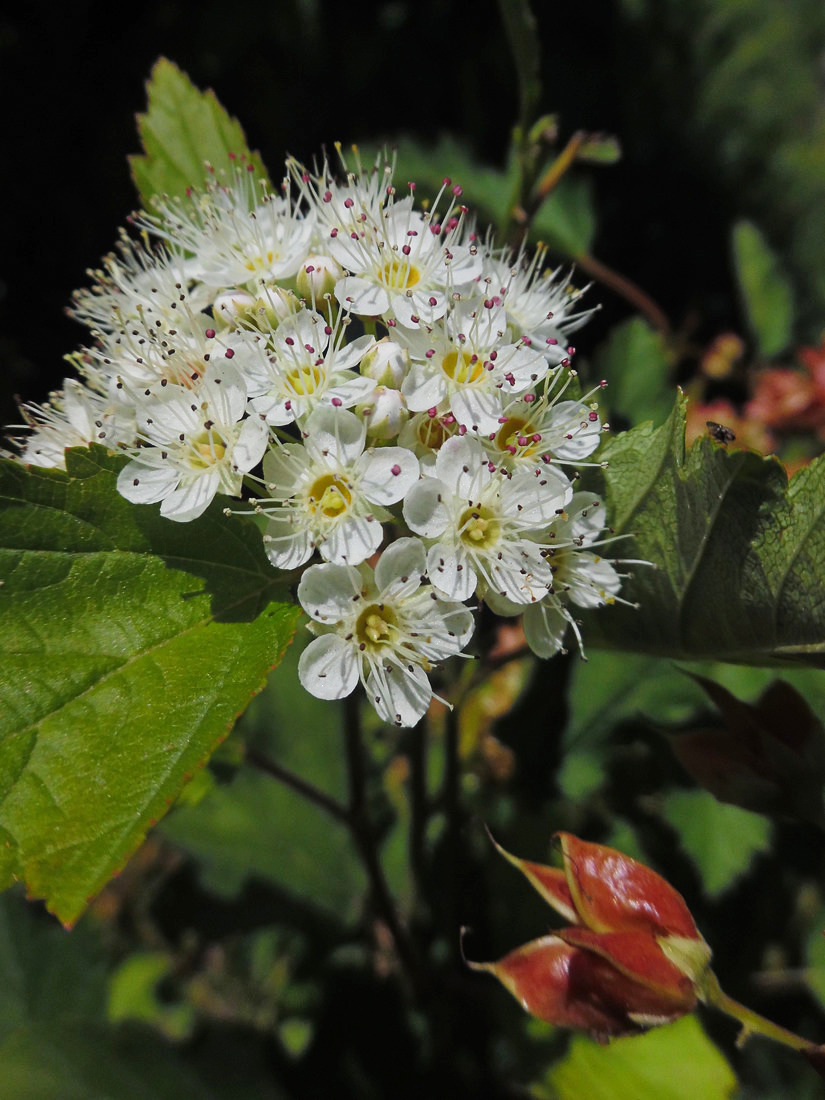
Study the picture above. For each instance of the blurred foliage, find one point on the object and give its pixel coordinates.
(244, 952)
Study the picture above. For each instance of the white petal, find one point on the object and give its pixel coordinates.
(190, 500)
(400, 568)
(284, 468)
(536, 500)
(286, 545)
(462, 465)
(425, 387)
(400, 695)
(362, 297)
(387, 474)
(352, 540)
(350, 355)
(329, 593)
(251, 443)
(335, 434)
(328, 667)
(477, 409)
(451, 572)
(146, 484)
(425, 511)
(544, 627)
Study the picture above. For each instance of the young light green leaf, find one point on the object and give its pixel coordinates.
(765, 289)
(739, 554)
(642, 1068)
(182, 132)
(129, 646)
(635, 362)
(700, 821)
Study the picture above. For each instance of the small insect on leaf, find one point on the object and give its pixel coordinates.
(720, 433)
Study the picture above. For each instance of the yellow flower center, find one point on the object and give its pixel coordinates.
(400, 275)
(463, 368)
(304, 380)
(374, 626)
(207, 450)
(330, 496)
(509, 434)
(259, 263)
(479, 527)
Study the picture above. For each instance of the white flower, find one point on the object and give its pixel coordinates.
(482, 526)
(329, 493)
(237, 232)
(307, 364)
(540, 428)
(467, 363)
(195, 445)
(580, 577)
(403, 265)
(73, 417)
(137, 283)
(386, 629)
(538, 303)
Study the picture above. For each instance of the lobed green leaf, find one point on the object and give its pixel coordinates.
(739, 554)
(130, 644)
(183, 131)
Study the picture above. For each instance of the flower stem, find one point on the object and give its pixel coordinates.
(752, 1023)
(363, 834)
(308, 790)
(626, 289)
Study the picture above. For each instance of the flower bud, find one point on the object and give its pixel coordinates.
(387, 363)
(317, 278)
(384, 414)
(631, 959)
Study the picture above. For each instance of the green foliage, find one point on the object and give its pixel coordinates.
(677, 1061)
(766, 292)
(737, 555)
(183, 132)
(747, 103)
(253, 827)
(130, 644)
(566, 221)
(702, 822)
(636, 363)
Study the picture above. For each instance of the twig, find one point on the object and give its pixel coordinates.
(625, 289)
(309, 791)
(364, 837)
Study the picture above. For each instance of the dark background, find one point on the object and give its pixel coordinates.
(299, 75)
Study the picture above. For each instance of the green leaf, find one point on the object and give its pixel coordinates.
(700, 821)
(566, 221)
(81, 1061)
(765, 289)
(182, 132)
(46, 976)
(129, 646)
(678, 1062)
(636, 364)
(522, 34)
(257, 827)
(739, 555)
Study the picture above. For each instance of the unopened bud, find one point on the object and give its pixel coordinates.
(387, 363)
(317, 278)
(384, 414)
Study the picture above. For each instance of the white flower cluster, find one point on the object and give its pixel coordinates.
(402, 383)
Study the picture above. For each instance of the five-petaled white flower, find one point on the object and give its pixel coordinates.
(194, 445)
(482, 526)
(387, 629)
(329, 493)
